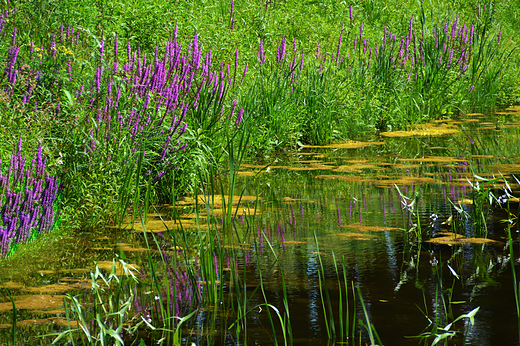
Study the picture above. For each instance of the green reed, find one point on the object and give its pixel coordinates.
(103, 318)
(11, 341)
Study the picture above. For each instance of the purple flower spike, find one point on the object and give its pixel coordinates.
(280, 52)
(116, 46)
(236, 60)
(339, 45)
(261, 57)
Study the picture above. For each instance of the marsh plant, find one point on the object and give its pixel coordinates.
(28, 200)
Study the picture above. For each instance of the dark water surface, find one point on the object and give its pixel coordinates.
(347, 198)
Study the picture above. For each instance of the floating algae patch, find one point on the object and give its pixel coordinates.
(321, 167)
(33, 302)
(107, 265)
(508, 113)
(249, 173)
(290, 199)
(482, 156)
(128, 248)
(346, 145)
(310, 153)
(357, 168)
(215, 200)
(13, 285)
(56, 288)
(404, 166)
(61, 321)
(350, 178)
(294, 242)
(487, 127)
(46, 272)
(357, 236)
(347, 169)
(362, 228)
(437, 159)
(252, 166)
(451, 239)
(426, 131)
(505, 168)
(309, 161)
(156, 225)
(408, 181)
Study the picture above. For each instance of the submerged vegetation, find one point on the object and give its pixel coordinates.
(141, 117)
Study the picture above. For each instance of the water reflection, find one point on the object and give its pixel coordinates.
(348, 197)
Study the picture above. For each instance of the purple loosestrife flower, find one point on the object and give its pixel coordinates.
(499, 35)
(53, 46)
(207, 64)
(411, 29)
(232, 14)
(233, 106)
(261, 57)
(69, 69)
(339, 44)
(240, 116)
(244, 74)
(97, 77)
(280, 52)
(128, 52)
(454, 27)
(236, 60)
(116, 46)
(350, 12)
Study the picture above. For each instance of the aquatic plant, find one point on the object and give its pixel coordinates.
(102, 318)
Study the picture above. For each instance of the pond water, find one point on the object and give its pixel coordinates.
(323, 209)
